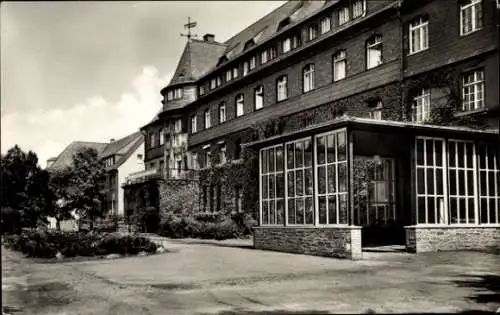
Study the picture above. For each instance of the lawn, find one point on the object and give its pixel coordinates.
(231, 279)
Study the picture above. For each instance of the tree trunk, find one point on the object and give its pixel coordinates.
(58, 225)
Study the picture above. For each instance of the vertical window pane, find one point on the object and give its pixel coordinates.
(271, 186)
(469, 153)
(291, 184)
(265, 216)
(309, 211)
(429, 152)
(439, 181)
(331, 179)
(330, 145)
(272, 212)
(299, 180)
(421, 209)
(264, 187)
(320, 150)
(438, 147)
(453, 210)
(291, 211)
(309, 182)
(289, 156)
(430, 181)
(341, 146)
(279, 159)
(460, 154)
(322, 180)
(280, 185)
(453, 185)
(420, 152)
(332, 210)
(431, 208)
(343, 209)
(299, 151)
(300, 211)
(420, 181)
(263, 158)
(322, 210)
(280, 211)
(452, 153)
(342, 177)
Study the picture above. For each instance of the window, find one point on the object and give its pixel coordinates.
(272, 53)
(489, 183)
(213, 83)
(421, 106)
(162, 136)
(295, 41)
(139, 157)
(229, 75)
(239, 105)
(259, 97)
(253, 62)
(207, 119)
(178, 126)
(194, 124)
(222, 112)
(170, 95)
(471, 16)
(339, 65)
(235, 73)
(308, 78)
(326, 25)
(358, 8)
(374, 52)
(263, 57)
(473, 90)
(237, 149)
(461, 181)
(286, 45)
(272, 186)
(299, 181)
(201, 90)
(419, 35)
(177, 93)
(312, 32)
(222, 154)
(238, 199)
(343, 14)
(208, 157)
(218, 81)
(376, 112)
(245, 67)
(331, 170)
(194, 161)
(281, 88)
(152, 140)
(430, 177)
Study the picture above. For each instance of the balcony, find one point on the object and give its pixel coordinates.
(157, 173)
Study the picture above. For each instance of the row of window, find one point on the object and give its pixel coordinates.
(472, 96)
(163, 134)
(343, 15)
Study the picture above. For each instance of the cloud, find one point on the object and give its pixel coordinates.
(48, 132)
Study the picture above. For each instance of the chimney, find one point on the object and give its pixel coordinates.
(111, 140)
(50, 161)
(209, 38)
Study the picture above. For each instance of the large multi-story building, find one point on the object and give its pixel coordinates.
(369, 80)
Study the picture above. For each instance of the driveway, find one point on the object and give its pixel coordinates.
(227, 278)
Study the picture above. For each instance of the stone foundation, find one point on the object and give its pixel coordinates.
(340, 242)
(420, 239)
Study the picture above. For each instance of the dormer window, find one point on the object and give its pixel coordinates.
(213, 83)
(263, 57)
(170, 95)
(245, 67)
(228, 75)
(178, 93)
(312, 31)
(326, 24)
(343, 15)
(253, 62)
(283, 23)
(235, 72)
(201, 90)
(249, 44)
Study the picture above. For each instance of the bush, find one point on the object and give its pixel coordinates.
(48, 244)
(212, 217)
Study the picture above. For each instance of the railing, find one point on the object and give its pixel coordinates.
(157, 173)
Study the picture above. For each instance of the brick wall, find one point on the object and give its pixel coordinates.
(340, 242)
(433, 239)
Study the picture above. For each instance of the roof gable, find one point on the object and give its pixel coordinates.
(121, 146)
(65, 158)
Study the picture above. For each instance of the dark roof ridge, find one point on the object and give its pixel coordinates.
(207, 42)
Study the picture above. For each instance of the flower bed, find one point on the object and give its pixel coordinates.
(47, 244)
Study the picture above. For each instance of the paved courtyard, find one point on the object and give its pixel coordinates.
(228, 278)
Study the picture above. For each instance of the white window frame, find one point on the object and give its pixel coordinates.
(246, 67)
(443, 211)
(268, 174)
(286, 45)
(339, 59)
(343, 15)
(374, 44)
(222, 112)
(219, 81)
(240, 105)
(152, 140)
(259, 97)
(194, 123)
(495, 185)
(170, 95)
(229, 74)
(473, 89)
(235, 72)
(358, 8)
(472, 6)
(421, 109)
(208, 122)
(308, 79)
(326, 25)
(213, 83)
(253, 62)
(282, 88)
(201, 90)
(177, 93)
(162, 136)
(312, 32)
(294, 170)
(178, 125)
(465, 169)
(419, 30)
(336, 164)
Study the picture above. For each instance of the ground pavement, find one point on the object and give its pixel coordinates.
(200, 277)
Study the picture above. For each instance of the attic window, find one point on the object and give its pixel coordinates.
(283, 23)
(249, 44)
(222, 60)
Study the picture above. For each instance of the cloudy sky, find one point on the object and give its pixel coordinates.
(92, 71)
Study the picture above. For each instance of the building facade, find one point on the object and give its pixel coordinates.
(309, 63)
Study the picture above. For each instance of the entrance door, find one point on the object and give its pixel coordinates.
(375, 201)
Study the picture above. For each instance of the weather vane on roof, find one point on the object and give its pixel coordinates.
(189, 26)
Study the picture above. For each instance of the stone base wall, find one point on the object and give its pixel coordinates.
(341, 242)
(442, 238)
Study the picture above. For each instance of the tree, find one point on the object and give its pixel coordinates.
(24, 188)
(59, 185)
(86, 185)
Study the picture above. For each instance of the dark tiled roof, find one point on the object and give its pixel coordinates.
(121, 146)
(65, 158)
(198, 57)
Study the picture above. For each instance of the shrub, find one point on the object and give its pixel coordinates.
(70, 244)
(213, 217)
